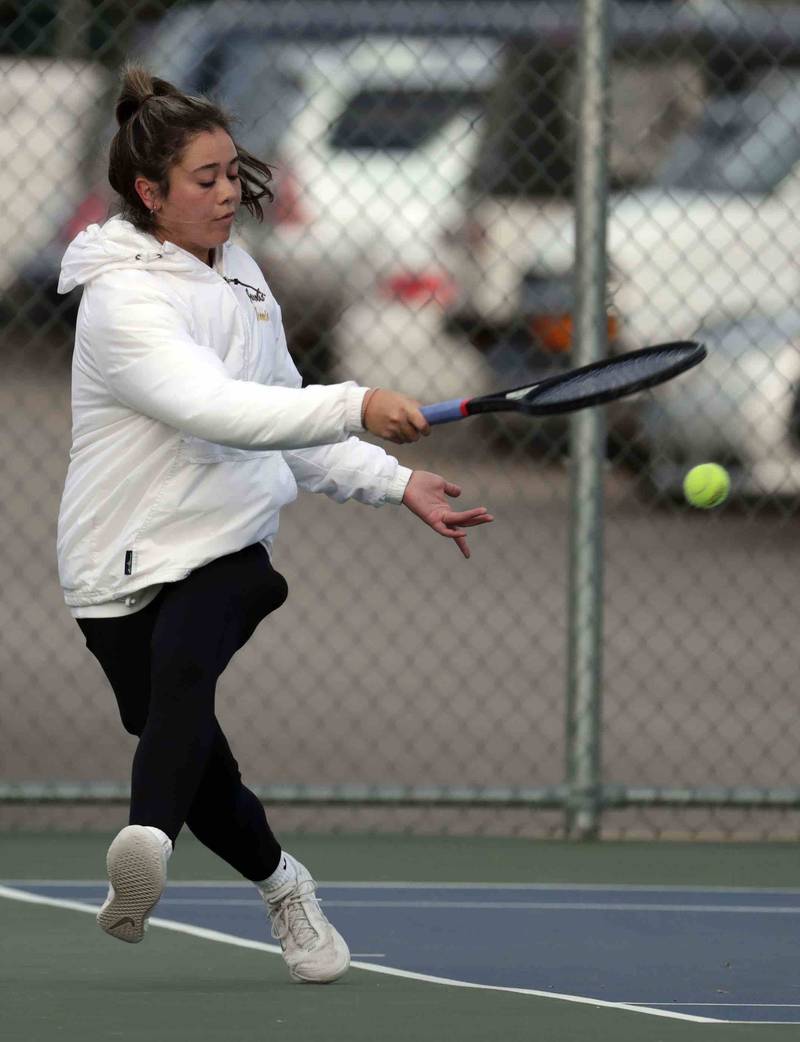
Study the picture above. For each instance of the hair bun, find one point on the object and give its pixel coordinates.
(138, 86)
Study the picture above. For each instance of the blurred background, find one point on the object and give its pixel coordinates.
(423, 238)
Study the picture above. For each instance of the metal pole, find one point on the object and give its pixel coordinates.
(587, 435)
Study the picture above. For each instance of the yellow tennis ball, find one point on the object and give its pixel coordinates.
(706, 485)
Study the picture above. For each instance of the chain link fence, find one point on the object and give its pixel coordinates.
(423, 238)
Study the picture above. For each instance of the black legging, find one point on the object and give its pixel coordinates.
(163, 663)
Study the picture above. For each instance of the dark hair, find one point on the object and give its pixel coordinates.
(156, 123)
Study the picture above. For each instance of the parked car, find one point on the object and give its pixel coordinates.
(411, 134)
(728, 277)
(381, 151)
(740, 408)
(511, 253)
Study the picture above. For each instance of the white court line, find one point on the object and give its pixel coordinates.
(563, 906)
(241, 942)
(559, 906)
(402, 885)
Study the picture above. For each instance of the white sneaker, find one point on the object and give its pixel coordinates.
(313, 949)
(137, 872)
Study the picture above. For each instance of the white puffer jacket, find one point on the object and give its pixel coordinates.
(190, 427)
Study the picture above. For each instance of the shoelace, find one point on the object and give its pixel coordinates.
(292, 917)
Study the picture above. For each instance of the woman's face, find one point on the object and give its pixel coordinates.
(204, 195)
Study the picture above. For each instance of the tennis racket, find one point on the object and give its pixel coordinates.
(590, 385)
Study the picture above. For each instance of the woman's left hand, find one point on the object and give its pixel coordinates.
(425, 496)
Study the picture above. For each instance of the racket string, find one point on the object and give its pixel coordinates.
(638, 369)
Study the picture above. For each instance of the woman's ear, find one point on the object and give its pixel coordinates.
(147, 192)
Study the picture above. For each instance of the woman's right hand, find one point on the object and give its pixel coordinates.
(393, 416)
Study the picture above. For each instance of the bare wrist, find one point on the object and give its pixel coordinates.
(365, 405)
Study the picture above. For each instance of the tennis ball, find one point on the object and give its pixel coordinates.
(706, 485)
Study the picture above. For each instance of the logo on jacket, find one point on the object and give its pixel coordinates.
(255, 296)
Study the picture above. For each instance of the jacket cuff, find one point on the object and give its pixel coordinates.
(397, 486)
(354, 403)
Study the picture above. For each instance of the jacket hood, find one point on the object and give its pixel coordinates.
(117, 245)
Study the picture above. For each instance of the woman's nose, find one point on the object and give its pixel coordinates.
(230, 192)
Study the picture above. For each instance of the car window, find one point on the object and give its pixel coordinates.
(746, 140)
(256, 80)
(396, 120)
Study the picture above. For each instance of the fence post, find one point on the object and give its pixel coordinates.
(587, 435)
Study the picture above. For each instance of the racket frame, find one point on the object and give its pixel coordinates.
(516, 399)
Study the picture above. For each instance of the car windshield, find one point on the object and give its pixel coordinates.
(395, 119)
(745, 140)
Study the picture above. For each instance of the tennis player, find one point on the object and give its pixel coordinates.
(190, 431)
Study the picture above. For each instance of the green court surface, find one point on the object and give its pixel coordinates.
(63, 979)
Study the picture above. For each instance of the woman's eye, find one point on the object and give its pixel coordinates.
(210, 184)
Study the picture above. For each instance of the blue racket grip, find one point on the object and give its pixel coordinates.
(445, 412)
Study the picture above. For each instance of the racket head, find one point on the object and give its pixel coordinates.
(598, 382)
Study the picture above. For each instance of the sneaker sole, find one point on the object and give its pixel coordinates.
(138, 875)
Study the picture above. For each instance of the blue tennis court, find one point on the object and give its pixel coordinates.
(702, 954)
